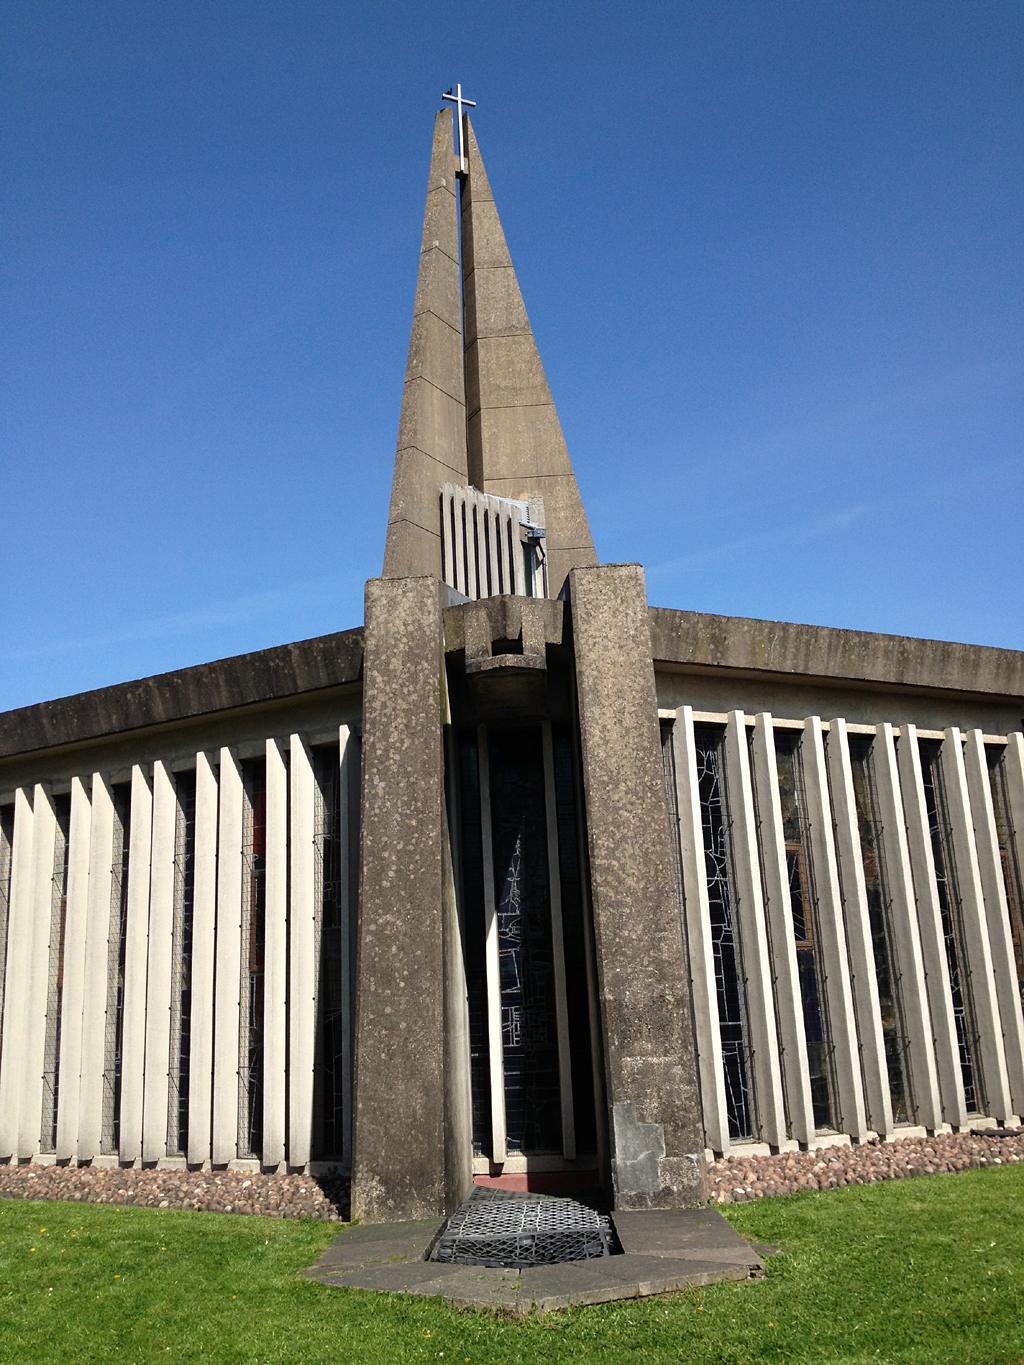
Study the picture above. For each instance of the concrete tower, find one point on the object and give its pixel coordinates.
(521, 984)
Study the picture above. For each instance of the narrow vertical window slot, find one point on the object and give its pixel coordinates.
(876, 886)
(952, 928)
(803, 902)
(253, 958)
(117, 941)
(1013, 880)
(729, 979)
(181, 964)
(329, 929)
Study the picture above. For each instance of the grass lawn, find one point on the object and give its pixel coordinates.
(918, 1270)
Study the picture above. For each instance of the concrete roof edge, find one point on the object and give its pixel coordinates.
(245, 679)
(703, 640)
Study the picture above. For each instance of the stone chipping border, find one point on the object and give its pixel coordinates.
(273, 1195)
(735, 1179)
(732, 1180)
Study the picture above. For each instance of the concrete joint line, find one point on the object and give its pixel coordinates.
(460, 473)
(422, 379)
(407, 521)
(422, 312)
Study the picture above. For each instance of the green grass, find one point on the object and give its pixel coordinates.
(916, 1270)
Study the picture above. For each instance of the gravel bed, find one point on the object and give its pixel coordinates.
(276, 1196)
(732, 1180)
(736, 1179)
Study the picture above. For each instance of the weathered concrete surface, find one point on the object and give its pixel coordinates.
(432, 427)
(808, 652)
(515, 444)
(247, 679)
(654, 1112)
(400, 1153)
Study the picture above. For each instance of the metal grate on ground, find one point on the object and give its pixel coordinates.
(524, 1230)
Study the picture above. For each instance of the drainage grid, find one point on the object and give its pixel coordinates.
(524, 1230)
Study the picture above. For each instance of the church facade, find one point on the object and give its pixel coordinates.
(522, 880)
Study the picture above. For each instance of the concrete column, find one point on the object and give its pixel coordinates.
(402, 1142)
(858, 931)
(133, 1046)
(73, 993)
(750, 913)
(997, 914)
(652, 1087)
(204, 916)
(788, 1001)
(19, 959)
(97, 937)
(929, 919)
(984, 997)
(698, 929)
(43, 850)
(834, 956)
(301, 925)
(228, 964)
(158, 992)
(912, 985)
(275, 986)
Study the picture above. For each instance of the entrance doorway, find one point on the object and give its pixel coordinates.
(528, 968)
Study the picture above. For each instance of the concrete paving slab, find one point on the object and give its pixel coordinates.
(665, 1250)
(425, 1278)
(703, 1233)
(379, 1243)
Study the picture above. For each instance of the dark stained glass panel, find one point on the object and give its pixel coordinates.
(526, 967)
(729, 986)
(805, 930)
(887, 977)
(952, 930)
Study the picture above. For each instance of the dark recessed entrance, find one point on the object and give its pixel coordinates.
(525, 950)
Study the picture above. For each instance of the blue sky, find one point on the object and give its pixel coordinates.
(771, 253)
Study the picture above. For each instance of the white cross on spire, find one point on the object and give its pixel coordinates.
(458, 100)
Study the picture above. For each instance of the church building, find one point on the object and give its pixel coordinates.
(521, 881)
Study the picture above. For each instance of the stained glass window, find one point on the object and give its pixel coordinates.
(181, 963)
(887, 975)
(525, 956)
(952, 927)
(729, 985)
(329, 931)
(1012, 879)
(253, 958)
(810, 968)
(117, 941)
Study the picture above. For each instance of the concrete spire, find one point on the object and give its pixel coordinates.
(515, 444)
(476, 410)
(432, 428)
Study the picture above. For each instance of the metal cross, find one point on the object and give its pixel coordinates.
(458, 100)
